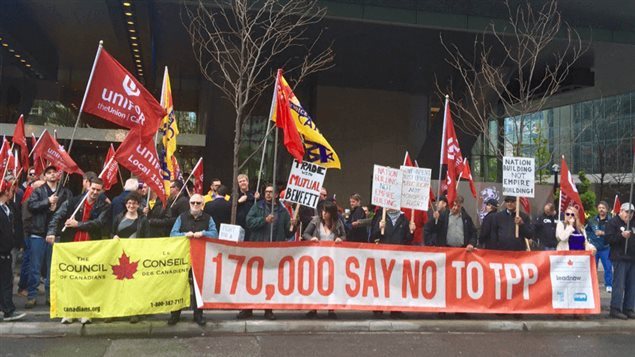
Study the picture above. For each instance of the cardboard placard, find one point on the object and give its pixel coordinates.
(415, 187)
(304, 184)
(386, 187)
(519, 176)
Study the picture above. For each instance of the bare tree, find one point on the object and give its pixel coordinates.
(513, 71)
(237, 43)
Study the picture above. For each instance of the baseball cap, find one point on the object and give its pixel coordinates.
(492, 202)
(510, 198)
(627, 207)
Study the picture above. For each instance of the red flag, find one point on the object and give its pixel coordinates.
(20, 139)
(467, 174)
(50, 150)
(109, 175)
(115, 95)
(616, 205)
(451, 156)
(407, 161)
(198, 177)
(524, 202)
(285, 121)
(38, 163)
(568, 192)
(139, 155)
(5, 154)
(177, 174)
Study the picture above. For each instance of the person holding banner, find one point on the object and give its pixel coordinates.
(571, 234)
(42, 204)
(132, 223)
(429, 236)
(119, 203)
(595, 230)
(454, 228)
(156, 216)
(620, 231)
(484, 236)
(504, 228)
(193, 224)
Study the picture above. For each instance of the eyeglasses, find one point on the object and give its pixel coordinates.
(569, 214)
(268, 191)
(196, 203)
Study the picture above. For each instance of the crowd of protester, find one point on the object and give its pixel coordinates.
(41, 211)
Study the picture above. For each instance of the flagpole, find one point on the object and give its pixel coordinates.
(81, 108)
(445, 117)
(37, 142)
(630, 200)
(264, 149)
(188, 180)
(156, 135)
(560, 196)
(275, 193)
(86, 194)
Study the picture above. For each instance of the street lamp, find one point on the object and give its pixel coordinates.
(555, 169)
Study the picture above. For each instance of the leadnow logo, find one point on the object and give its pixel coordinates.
(130, 87)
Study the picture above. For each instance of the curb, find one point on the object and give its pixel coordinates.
(188, 329)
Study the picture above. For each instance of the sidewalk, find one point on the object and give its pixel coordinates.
(38, 323)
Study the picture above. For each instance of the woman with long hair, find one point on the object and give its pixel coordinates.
(571, 233)
(325, 227)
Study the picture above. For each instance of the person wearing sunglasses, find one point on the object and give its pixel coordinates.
(193, 224)
(571, 233)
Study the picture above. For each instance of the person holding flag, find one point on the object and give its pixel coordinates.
(43, 204)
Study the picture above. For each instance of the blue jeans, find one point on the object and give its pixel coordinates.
(623, 296)
(606, 263)
(41, 253)
(25, 267)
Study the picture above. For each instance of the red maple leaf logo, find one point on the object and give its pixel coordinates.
(570, 262)
(125, 269)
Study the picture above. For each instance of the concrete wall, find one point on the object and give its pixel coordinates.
(367, 127)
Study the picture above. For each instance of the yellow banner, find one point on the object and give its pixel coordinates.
(120, 277)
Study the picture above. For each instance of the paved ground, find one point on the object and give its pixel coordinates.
(332, 345)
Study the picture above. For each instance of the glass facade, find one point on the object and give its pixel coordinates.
(595, 136)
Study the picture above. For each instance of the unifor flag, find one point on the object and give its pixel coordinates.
(115, 95)
(139, 155)
(5, 154)
(48, 149)
(466, 173)
(316, 148)
(19, 139)
(568, 192)
(451, 156)
(284, 120)
(617, 205)
(197, 173)
(169, 128)
(110, 169)
(38, 164)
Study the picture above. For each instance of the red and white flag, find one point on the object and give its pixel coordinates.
(50, 150)
(197, 173)
(19, 139)
(617, 205)
(284, 119)
(525, 204)
(451, 156)
(110, 169)
(38, 164)
(5, 154)
(139, 155)
(467, 174)
(568, 192)
(115, 95)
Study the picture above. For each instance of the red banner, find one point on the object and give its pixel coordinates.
(360, 276)
(20, 139)
(48, 149)
(115, 95)
(110, 173)
(569, 192)
(139, 155)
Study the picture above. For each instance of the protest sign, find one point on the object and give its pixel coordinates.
(415, 187)
(518, 176)
(386, 191)
(304, 184)
(361, 276)
(120, 277)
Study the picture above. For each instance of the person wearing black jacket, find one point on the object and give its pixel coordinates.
(42, 204)
(131, 223)
(545, 227)
(178, 202)
(504, 228)
(620, 234)
(356, 232)
(454, 228)
(155, 212)
(88, 223)
(429, 236)
(246, 199)
(219, 208)
(484, 236)
(8, 240)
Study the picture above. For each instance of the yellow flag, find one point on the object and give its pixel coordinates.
(169, 130)
(120, 277)
(317, 149)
